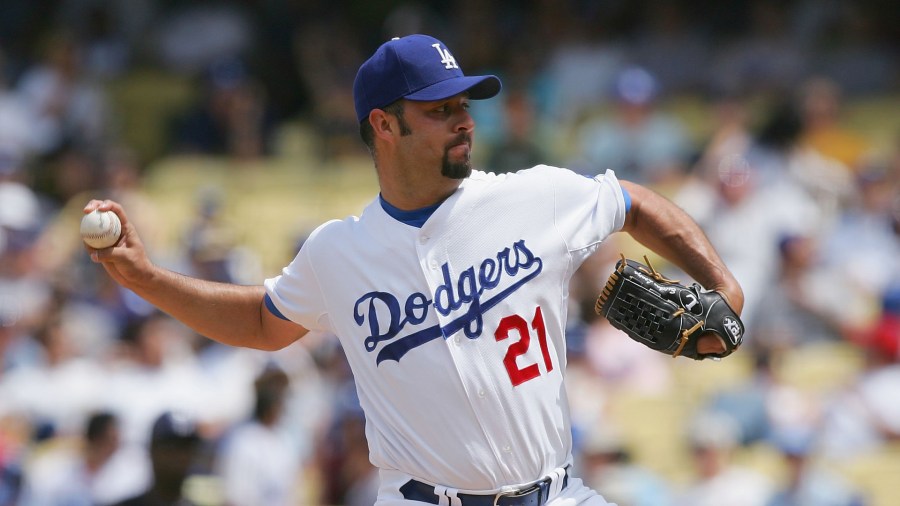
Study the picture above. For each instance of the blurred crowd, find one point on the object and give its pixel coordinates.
(104, 400)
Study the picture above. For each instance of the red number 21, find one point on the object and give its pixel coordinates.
(519, 375)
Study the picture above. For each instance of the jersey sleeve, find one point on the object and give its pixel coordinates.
(587, 209)
(296, 294)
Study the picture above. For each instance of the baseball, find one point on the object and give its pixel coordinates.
(100, 229)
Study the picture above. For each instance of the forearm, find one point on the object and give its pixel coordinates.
(227, 313)
(666, 229)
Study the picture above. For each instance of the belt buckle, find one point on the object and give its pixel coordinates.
(519, 493)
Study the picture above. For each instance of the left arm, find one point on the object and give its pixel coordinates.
(666, 229)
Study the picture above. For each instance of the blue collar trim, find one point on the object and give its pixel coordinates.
(415, 218)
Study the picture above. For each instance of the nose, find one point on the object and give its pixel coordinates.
(464, 121)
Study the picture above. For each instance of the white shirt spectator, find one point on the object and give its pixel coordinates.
(259, 465)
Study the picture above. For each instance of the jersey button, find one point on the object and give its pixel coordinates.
(507, 449)
(434, 266)
(457, 340)
(423, 239)
(481, 393)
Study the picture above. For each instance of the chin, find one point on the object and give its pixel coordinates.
(456, 170)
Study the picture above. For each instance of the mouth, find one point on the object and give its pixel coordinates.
(459, 148)
(463, 143)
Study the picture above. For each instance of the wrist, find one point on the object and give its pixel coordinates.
(733, 295)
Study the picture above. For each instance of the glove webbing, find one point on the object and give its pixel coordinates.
(614, 277)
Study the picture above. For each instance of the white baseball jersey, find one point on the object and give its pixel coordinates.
(455, 330)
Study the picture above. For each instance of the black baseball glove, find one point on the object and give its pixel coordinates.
(664, 314)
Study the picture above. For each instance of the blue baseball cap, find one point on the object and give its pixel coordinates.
(415, 67)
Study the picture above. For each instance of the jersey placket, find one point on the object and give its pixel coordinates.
(466, 355)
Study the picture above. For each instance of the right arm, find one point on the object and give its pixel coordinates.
(230, 314)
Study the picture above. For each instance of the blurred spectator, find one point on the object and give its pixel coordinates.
(156, 371)
(16, 136)
(866, 236)
(622, 364)
(274, 56)
(68, 108)
(864, 416)
(191, 37)
(726, 146)
(781, 154)
(259, 462)
(13, 449)
(21, 208)
(718, 480)
(822, 108)
(764, 404)
(233, 117)
(113, 31)
(106, 50)
(748, 402)
(357, 479)
(517, 149)
(884, 336)
(60, 386)
(639, 142)
(175, 444)
(70, 173)
(210, 242)
(607, 467)
(799, 308)
(582, 65)
(809, 484)
(343, 451)
(98, 469)
(731, 132)
(328, 54)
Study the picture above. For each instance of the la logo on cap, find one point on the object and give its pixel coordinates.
(446, 58)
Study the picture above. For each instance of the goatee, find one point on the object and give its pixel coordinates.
(457, 170)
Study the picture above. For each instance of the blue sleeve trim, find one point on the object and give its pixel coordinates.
(627, 198)
(272, 309)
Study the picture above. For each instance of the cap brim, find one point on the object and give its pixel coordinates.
(479, 88)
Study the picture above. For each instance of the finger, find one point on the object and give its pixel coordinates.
(92, 205)
(107, 205)
(711, 344)
(97, 255)
(104, 256)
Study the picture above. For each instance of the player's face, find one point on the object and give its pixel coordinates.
(441, 132)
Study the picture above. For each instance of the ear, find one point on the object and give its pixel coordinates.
(383, 124)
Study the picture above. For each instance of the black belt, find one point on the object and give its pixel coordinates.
(535, 495)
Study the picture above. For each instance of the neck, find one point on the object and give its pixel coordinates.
(409, 197)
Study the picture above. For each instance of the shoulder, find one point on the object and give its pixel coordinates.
(537, 173)
(545, 178)
(336, 229)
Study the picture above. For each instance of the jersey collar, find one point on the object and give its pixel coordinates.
(415, 218)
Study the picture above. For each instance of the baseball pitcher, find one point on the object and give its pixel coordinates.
(448, 293)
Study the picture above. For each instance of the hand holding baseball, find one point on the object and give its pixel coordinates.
(104, 225)
(100, 229)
